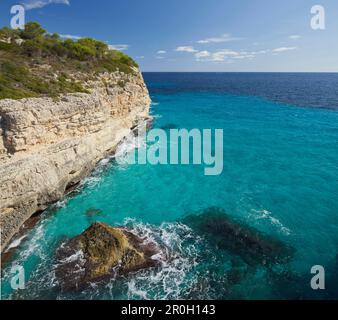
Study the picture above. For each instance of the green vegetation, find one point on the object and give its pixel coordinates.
(35, 63)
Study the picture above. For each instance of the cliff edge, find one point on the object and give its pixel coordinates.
(48, 144)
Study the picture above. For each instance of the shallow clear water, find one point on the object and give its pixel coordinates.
(280, 176)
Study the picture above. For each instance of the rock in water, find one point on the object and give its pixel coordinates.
(102, 251)
(251, 245)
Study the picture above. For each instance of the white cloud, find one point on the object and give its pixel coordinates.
(202, 54)
(36, 4)
(186, 49)
(161, 52)
(119, 47)
(227, 55)
(294, 37)
(260, 52)
(283, 49)
(244, 56)
(223, 38)
(70, 36)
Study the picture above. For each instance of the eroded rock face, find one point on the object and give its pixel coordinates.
(48, 146)
(102, 251)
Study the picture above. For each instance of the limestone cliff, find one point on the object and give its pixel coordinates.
(49, 145)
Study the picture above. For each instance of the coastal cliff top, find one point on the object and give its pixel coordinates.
(35, 63)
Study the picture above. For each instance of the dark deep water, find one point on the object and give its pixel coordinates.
(301, 89)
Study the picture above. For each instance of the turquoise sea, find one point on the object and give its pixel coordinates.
(280, 177)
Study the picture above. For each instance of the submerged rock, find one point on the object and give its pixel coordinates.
(92, 213)
(253, 246)
(102, 251)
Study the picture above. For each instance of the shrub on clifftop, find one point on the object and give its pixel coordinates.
(24, 55)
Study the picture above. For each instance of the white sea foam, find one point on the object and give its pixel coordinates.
(129, 144)
(175, 277)
(180, 251)
(267, 215)
(136, 292)
(62, 203)
(30, 248)
(15, 243)
(104, 162)
(74, 257)
(34, 244)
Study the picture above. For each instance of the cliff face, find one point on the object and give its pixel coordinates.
(48, 145)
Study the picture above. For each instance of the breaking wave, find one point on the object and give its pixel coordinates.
(180, 254)
(14, 244)
(176, 276)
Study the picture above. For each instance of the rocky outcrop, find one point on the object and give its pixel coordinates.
(102, 251)
(48, 145)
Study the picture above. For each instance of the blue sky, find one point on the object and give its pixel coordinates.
(198, 35)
